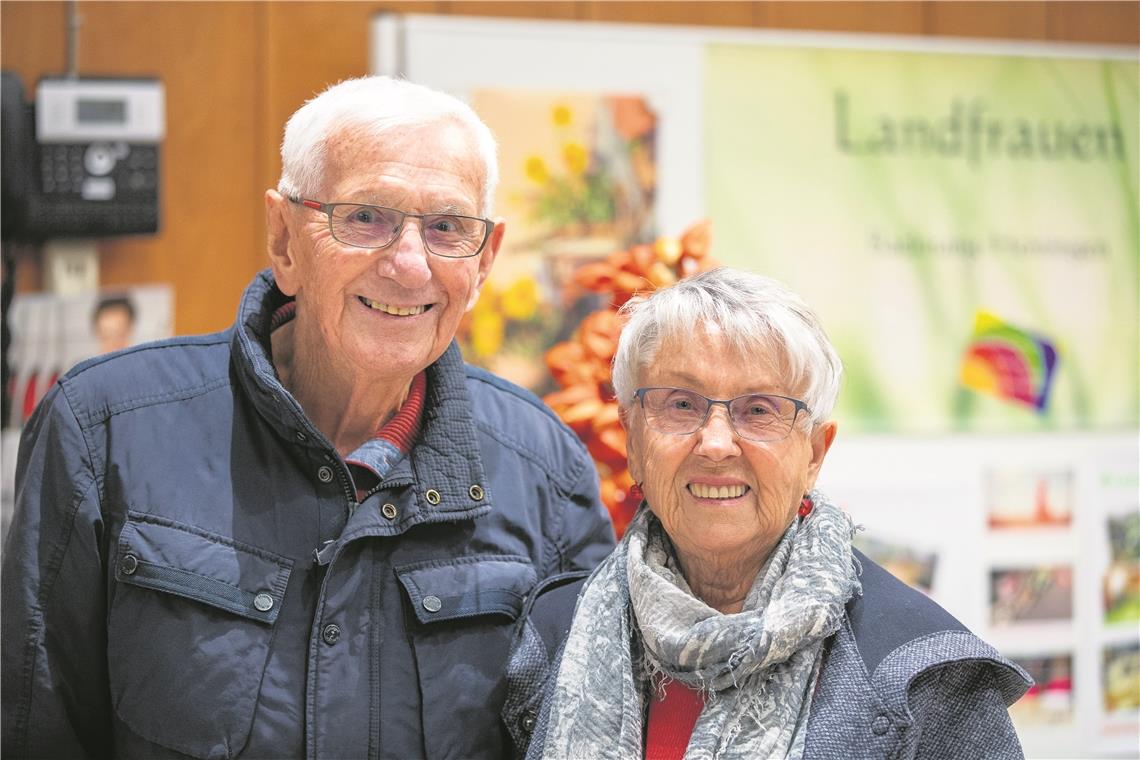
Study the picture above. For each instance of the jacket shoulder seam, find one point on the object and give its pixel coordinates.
(91, 418)
(521, 394)
(549, 470)
(210, 339)
(483, 376)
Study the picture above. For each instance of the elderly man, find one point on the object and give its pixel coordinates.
(310, 535)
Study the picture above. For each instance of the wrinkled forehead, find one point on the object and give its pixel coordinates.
(443, 144)
(681, 346)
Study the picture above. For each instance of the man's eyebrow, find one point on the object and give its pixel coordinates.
(375, 200)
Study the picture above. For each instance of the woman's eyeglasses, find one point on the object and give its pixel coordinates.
(755, 416)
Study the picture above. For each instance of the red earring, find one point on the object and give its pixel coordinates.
(805, 506)
(635, 492)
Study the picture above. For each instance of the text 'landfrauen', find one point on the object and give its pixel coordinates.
(970, 130)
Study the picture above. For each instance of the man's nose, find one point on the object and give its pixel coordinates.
(717, 437)
(407, 260)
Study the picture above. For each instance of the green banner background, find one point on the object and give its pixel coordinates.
(900, 192)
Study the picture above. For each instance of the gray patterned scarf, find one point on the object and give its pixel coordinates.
(638, 623)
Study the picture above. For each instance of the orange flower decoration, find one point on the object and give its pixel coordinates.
(581, 366)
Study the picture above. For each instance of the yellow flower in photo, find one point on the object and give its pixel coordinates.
(576, 157)
(487, 329)
(520, 300)
(536, 170)
(561, 115)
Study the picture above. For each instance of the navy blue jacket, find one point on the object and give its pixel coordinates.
(902, 678)
(188, 574)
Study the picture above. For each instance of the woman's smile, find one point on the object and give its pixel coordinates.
(722, 492)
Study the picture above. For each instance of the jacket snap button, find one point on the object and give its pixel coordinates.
(301, 437)
(331, 634)
(389, 511)
(881, 725)
(263, 602)
(129, 564)
(432, 603)
(432, 496)
(528, 721)
(325, 474)
(476, 493)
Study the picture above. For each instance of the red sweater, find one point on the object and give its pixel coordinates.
(671, 722)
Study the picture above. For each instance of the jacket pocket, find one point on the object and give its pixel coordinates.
(463, 615)
(189, 634)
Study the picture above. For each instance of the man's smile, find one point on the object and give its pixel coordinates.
(396, 311)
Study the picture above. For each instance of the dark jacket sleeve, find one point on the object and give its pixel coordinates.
(959, 712)
(535, 654)
(55, 694)
(587, 532)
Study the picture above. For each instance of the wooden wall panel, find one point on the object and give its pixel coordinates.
(1112, 23)
(712, 13)
(235, 71)
(541, 9)
(867, 17)
(1002, 20)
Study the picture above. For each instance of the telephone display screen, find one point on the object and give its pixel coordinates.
(90, 111)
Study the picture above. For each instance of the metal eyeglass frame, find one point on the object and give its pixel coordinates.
(800, 407)
(327, 209)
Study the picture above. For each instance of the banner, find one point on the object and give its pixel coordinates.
(966, 225)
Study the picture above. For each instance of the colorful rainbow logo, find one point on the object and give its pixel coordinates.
(1008, 363)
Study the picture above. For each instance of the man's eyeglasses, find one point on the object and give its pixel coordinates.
(755, 416)
(359, 225)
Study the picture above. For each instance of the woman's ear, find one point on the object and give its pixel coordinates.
(282, 261)
(821, 439)
(632, 444)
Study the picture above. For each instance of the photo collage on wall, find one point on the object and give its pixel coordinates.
(1033, 543)
(1120, 605)
(912, 566)
(1034, 505)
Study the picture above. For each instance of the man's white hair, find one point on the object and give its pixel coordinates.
(377, 105)
(760, 318)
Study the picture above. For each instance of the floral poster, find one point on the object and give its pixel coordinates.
(578, 180)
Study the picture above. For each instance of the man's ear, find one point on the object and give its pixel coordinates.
(282, 261)
(487, 259)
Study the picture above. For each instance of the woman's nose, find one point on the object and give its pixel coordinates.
(717, 437)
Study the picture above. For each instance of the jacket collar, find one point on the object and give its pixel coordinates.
(445, 465)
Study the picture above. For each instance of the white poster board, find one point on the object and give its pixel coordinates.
(940, 494)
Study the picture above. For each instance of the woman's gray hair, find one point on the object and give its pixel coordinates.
(376, 104)
(759, 316)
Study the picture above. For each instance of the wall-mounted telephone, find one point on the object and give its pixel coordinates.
(83, 160)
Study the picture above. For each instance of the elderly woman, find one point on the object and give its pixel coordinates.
(735, 620)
